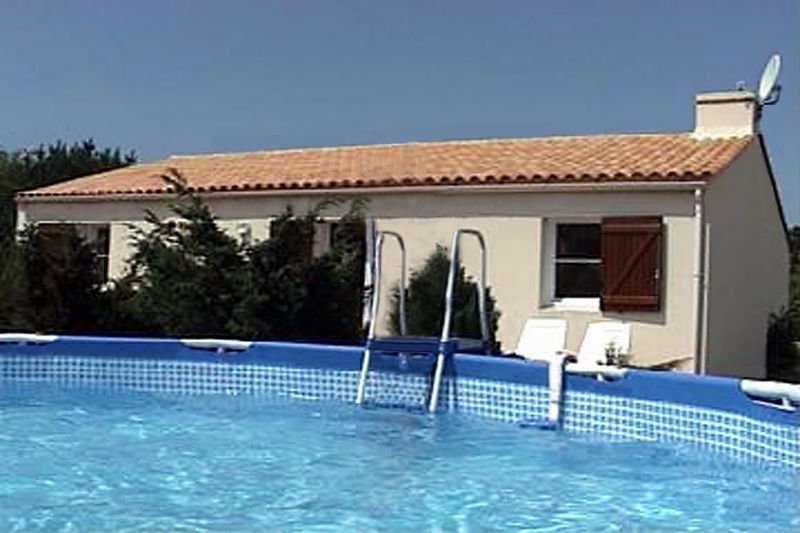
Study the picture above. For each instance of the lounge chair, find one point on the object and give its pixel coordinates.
(599, 337)
(542, 338)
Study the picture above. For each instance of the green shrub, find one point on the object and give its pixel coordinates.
(14, 303)
(63, 282)
(425, 301)
(186, 275)
(292, 294)
(782, 354)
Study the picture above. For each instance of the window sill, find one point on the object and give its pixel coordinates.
(591, 305)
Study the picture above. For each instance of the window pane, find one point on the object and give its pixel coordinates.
(577, 280)
(578, 241)
(102, 268)
(102, 240)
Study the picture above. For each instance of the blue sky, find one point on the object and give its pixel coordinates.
(171, 77)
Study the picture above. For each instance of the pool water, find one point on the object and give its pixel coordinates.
(73, 460)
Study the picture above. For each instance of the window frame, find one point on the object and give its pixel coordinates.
(549, 260)
(89, 232)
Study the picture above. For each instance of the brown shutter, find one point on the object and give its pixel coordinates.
(632, 248)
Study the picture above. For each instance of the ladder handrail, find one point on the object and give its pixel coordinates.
(448, 308)
(374, 304)
(377, 281)
(448, 302)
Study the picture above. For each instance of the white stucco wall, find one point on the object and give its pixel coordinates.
(515, 266)
(748, 263)
(514, 226)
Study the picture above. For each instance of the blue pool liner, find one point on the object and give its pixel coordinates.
(718, 393)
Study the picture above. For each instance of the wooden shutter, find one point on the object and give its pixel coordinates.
(632, 256)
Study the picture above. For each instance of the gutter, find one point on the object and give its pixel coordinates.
(625, 186)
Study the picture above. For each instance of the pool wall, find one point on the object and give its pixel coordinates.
(710, 412)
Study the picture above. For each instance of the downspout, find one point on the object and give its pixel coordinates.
(700, 285)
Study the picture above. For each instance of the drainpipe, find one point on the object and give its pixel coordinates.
(700, 285)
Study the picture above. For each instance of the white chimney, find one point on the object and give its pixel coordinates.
(725, 114)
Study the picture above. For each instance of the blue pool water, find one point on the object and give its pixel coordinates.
(74, 460)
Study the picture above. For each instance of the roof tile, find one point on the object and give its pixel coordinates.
(591, 158)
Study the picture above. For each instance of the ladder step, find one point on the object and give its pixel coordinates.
(404, 363)
(419, 408)
(426, 345)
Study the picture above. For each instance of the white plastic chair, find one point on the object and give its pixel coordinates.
(542, 338)
(600, 335)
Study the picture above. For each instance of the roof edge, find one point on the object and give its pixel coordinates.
(646, 186)
(778, 203)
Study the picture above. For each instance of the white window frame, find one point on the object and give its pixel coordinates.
(548, 285)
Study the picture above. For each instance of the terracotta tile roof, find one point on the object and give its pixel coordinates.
(591, 158)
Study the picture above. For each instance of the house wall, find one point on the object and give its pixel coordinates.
(514, 226)
(515, 266)
(748, 265)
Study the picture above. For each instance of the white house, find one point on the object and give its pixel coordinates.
(679, 234)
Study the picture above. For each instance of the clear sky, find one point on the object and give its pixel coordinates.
(171, 77)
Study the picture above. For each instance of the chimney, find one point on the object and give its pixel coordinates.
(725, 114)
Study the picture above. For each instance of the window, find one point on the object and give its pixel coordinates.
(244, 232)
(57, 238)
(323, 237)
(578, 261)
(326, 235)
(613, 264)
(98, 238)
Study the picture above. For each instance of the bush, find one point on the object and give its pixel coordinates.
(292, 294)
(333, 306)
(782, 354)
(425, 301)
(783, 359)
(13, 287)
(186, 276)
(62, 282)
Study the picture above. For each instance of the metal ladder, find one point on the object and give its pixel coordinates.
(445, 347)
(373, 312)
(442, 347)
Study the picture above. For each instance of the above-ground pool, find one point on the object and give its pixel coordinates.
(149, 435)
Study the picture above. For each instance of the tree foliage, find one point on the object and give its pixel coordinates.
(783, 357)
(186, 275)
(291, 293)
(47, 164)
(794, 251)
(49, 282)
(14, 303)
(425, 301)
(63, 283)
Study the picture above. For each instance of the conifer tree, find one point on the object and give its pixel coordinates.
(425, 301)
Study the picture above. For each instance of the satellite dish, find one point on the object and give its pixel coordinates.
(768, 88)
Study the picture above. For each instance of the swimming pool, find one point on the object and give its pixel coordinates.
(160, 437)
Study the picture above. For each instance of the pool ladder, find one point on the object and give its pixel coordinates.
(445, 345)
(375, 302)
